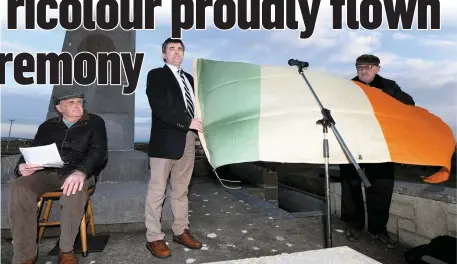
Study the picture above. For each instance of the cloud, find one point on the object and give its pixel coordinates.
(142, 124)
(325, 37)
(21, 41)
(44, 90)
(448, 9)
(404, 60)
(142, 120)
(389, 58)
(16, 46)
(142, 132)
(432, 40)
(432, 74)
(440, 43)
(444, 106)
(445, 112)
(401, 36)
(356, 43)
(141, 102)
(193, 51)
(19, 130)
(28, 109)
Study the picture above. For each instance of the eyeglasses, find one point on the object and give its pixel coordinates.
(364, 67)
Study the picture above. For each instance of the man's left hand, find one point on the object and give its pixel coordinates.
(73, 183)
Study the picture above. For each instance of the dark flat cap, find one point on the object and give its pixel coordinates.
(368, 59)
(67, 95)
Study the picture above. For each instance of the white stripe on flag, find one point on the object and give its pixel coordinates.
(288, 113)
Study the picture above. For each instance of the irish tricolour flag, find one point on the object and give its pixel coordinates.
(267, 113)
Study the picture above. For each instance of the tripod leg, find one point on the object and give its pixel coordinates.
(327, 191)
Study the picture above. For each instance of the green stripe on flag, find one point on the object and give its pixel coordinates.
(229, 95)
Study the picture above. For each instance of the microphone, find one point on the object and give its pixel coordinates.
(302, 64)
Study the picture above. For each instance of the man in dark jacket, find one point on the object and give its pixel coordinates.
(368, 67)
(81, 141)
(380, 175)
(174, 127)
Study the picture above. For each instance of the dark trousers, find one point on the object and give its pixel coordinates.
(23, 195)
(378, 196)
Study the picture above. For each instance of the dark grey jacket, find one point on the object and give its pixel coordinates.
(82, 147)
(169, 121)
(390, 87)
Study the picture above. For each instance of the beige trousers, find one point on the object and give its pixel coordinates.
(181, 173)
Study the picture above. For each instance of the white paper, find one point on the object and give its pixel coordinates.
(46, 156)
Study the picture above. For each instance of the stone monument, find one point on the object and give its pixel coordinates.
(124, 163)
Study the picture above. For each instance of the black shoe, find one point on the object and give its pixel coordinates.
(384, 239)
(351, 234)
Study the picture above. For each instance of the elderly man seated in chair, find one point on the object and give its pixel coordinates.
(82, 143)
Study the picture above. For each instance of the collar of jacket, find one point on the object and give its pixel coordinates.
(85, 117)
(376, 82)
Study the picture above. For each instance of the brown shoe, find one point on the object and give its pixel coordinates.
(187, 240)
(158, 248)
(67, 258)
(33, 261)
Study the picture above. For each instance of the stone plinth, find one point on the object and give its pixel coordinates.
(125, 164)
(418, 212)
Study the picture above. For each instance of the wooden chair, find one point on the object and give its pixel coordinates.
(43, 222)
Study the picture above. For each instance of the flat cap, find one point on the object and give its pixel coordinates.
(67, 95)
(368, 59)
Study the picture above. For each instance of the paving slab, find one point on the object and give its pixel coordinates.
(342, 255)
(232, 226)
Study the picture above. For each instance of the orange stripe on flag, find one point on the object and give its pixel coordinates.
(413, 134)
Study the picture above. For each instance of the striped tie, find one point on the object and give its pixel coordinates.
(190, 106)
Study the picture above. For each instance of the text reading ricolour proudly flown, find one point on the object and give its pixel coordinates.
(86, 68)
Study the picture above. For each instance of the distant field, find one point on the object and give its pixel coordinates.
(12, 148)
(142, 147)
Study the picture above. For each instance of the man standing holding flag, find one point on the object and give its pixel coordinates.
(171, 147)
(381, 175)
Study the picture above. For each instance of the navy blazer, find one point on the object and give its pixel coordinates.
(169, 120)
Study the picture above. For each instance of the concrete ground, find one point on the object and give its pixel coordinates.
(232, 225)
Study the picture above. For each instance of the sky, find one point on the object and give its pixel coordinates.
(423, 62)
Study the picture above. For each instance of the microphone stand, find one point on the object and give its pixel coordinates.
(328, 121)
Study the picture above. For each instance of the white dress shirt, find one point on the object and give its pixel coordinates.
(175, 71)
